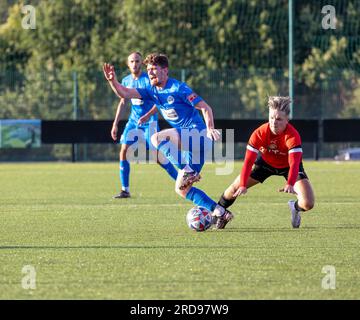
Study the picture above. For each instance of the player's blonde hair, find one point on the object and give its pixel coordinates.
(280, 103)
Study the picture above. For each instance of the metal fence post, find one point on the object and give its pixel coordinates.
(182, 75)
(291, 54)
(74, 149)
(320, 138)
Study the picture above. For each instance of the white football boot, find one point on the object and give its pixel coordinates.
(221, 217)
(295, 215)
(185, 179)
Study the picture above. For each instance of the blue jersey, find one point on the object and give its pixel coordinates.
(139, 107)
(176, 102)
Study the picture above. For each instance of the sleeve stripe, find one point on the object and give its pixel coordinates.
(295, 150)
(249, 147)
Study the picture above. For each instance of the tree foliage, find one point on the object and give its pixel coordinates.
(233, 52)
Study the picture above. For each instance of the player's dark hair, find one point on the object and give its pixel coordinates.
(157, 59)
(280, 103)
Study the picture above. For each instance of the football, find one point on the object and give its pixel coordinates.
(199, 219)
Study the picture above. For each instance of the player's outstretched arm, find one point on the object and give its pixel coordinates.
(294, 157)
(250, 157)
(206, 110)
(120, 90)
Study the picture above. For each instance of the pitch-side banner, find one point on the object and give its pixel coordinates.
(15, 133)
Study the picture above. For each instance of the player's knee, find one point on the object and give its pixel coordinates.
(181, 193)
(308, 205)
(154, 140)
(122, 154)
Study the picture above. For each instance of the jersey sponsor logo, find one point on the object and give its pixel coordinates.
(192, 97)
(137, 102)
(170, 114)
(262, 150)
(272, 148)
(170, 99)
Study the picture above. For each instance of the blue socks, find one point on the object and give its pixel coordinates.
(195, 195)
(124, 174)
(176, 156)
(201, 199)
(170, 169)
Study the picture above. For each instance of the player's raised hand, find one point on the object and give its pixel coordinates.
(109, 71)
(288, 189)
(213, 134)
(240, 191)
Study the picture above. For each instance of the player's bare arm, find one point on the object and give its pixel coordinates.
(294, 159)
(244, 181)
(114, 129)
(145, 118)
(120, 90)
(207, 113)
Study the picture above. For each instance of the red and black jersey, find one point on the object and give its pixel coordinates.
(274, 149)
(279, 151)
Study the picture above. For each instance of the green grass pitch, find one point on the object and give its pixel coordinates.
(60, 219)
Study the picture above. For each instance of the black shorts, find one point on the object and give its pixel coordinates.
(261, 171)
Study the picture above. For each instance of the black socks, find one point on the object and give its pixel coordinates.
(225, 203)
(297, 206)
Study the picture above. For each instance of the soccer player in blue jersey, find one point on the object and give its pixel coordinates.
(134, 132)
(191, 135)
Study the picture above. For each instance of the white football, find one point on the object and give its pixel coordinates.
(199, 219)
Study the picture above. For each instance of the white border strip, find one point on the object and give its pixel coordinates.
(249, 147)
(295, 150)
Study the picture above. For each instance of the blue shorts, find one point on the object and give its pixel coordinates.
(197, 147)
(133, 133)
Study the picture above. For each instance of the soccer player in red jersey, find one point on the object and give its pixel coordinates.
(274, 148)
